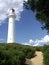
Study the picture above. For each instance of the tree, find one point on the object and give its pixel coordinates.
(42, 11)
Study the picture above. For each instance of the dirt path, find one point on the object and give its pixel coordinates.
(37, 60)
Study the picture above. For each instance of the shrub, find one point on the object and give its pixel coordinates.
(44, 48)
(11, 57)
(15, 54)
(46, 57)
(38, 48)
(29, 52)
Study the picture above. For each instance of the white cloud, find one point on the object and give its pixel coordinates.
(41, 42)
(7, 4)
(31, 41)
(46, 38)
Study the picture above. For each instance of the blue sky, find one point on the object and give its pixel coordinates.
(28, 29)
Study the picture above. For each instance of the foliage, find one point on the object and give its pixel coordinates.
(46, 57)
(29, 51)
(15, 54)
(44, 48)
(38, 48)
(11, 57)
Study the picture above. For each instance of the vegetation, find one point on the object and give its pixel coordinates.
(15, 54)
(38, 48)
(44, 48)
(46, 57)
(45, 51)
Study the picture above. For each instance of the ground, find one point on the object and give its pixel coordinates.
(37, 60)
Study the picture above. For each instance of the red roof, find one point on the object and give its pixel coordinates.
(12, 9)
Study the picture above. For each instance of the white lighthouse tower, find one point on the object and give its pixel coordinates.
(11, 26)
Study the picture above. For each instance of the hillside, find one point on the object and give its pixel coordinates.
(15, 54)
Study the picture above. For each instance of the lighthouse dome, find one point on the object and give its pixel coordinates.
(12, 13)
(12, 10)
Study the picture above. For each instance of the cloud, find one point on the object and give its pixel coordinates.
(7, 4)
(41, 42)
(31, 41)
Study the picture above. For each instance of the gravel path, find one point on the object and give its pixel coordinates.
(37, 60)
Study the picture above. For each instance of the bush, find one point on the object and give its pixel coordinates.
(29, 52)
(44, 48)
(15, 54)
(11, 57)
(46, 57)
(38, 48)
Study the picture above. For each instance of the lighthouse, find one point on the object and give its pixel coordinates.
(11, 26)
